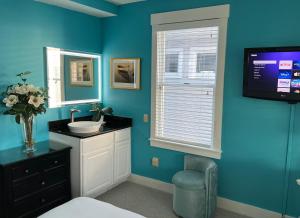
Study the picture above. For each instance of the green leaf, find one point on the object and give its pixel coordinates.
(24, 73)
(6, 112)
(9, 112)
(18, 118)
(19, 108)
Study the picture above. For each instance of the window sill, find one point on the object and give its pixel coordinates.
(190, 149)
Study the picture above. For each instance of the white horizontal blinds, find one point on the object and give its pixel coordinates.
(185, 85)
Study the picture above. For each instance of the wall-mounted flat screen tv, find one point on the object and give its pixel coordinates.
(272, 73)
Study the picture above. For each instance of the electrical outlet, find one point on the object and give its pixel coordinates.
(146, 118)
(298, 181)
(155, 161)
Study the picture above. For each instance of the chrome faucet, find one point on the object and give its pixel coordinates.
(72, 111)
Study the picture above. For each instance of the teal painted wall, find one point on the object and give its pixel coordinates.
(255, 132)
(73, 93)
(26, 27)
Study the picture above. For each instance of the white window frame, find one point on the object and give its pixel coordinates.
(193, 18)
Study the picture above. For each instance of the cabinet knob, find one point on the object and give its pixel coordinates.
(43, 183)
(27, 171)
(55, 162)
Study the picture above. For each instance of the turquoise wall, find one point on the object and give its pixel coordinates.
(255, 132)
(26, 27)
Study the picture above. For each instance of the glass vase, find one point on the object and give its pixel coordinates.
(28, 132)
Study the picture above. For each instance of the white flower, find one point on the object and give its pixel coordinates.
(32, 89)
(36, 101)
(22, 90)
(11, 100)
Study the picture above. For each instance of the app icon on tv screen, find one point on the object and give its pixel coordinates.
(285, 64)
(295, 83)
(296, 64)
(296, 73)
(286, 83)
(285, 75)
(287, 90)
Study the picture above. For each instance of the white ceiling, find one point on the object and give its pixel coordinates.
(68, 4)
(122, 2)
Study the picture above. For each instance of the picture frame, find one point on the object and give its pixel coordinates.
(125, 73)
(81, 72)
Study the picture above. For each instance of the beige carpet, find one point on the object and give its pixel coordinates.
(148, 202)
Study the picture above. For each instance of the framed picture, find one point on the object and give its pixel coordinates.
(125, 73)
(81, 72)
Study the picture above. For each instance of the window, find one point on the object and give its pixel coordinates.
(187, 80)
(206, 62)
(172, 63)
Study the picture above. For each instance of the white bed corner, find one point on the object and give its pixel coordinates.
(84, 207)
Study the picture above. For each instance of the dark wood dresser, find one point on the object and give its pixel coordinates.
(33, 184)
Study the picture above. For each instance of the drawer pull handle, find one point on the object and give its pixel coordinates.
(43, 183)
(26, 171)
(43, 200)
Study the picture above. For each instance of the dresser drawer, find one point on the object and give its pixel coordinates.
(54, 176)
(55, 160)
(36, 183)
(26, 187)
(25, 169)
(34, 203)
(52, 194)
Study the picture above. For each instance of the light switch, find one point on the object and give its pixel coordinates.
(146, 118)
(155, 161)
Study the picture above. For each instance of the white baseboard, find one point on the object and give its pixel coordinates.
(223, 203)
(151, 183)
(246, 209)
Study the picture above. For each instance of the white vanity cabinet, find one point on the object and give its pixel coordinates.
(122, 156)
(98, 163)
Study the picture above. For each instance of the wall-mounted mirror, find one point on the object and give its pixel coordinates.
(72, 77)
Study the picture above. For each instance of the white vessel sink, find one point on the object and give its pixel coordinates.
(85, 126)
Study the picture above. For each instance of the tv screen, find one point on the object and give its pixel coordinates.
(272, 73)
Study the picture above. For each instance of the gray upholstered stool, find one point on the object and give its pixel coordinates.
(195, 188)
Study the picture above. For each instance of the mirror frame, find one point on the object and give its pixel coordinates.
(79, 54)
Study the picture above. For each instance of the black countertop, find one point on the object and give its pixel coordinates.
(112, 123)
(13, 155)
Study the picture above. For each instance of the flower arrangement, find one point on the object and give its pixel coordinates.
(25, 101)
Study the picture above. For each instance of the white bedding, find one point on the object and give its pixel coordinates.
(84, 207)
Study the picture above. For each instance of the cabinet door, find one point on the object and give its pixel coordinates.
(97, 172)
(122, 159)
(97, 167)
